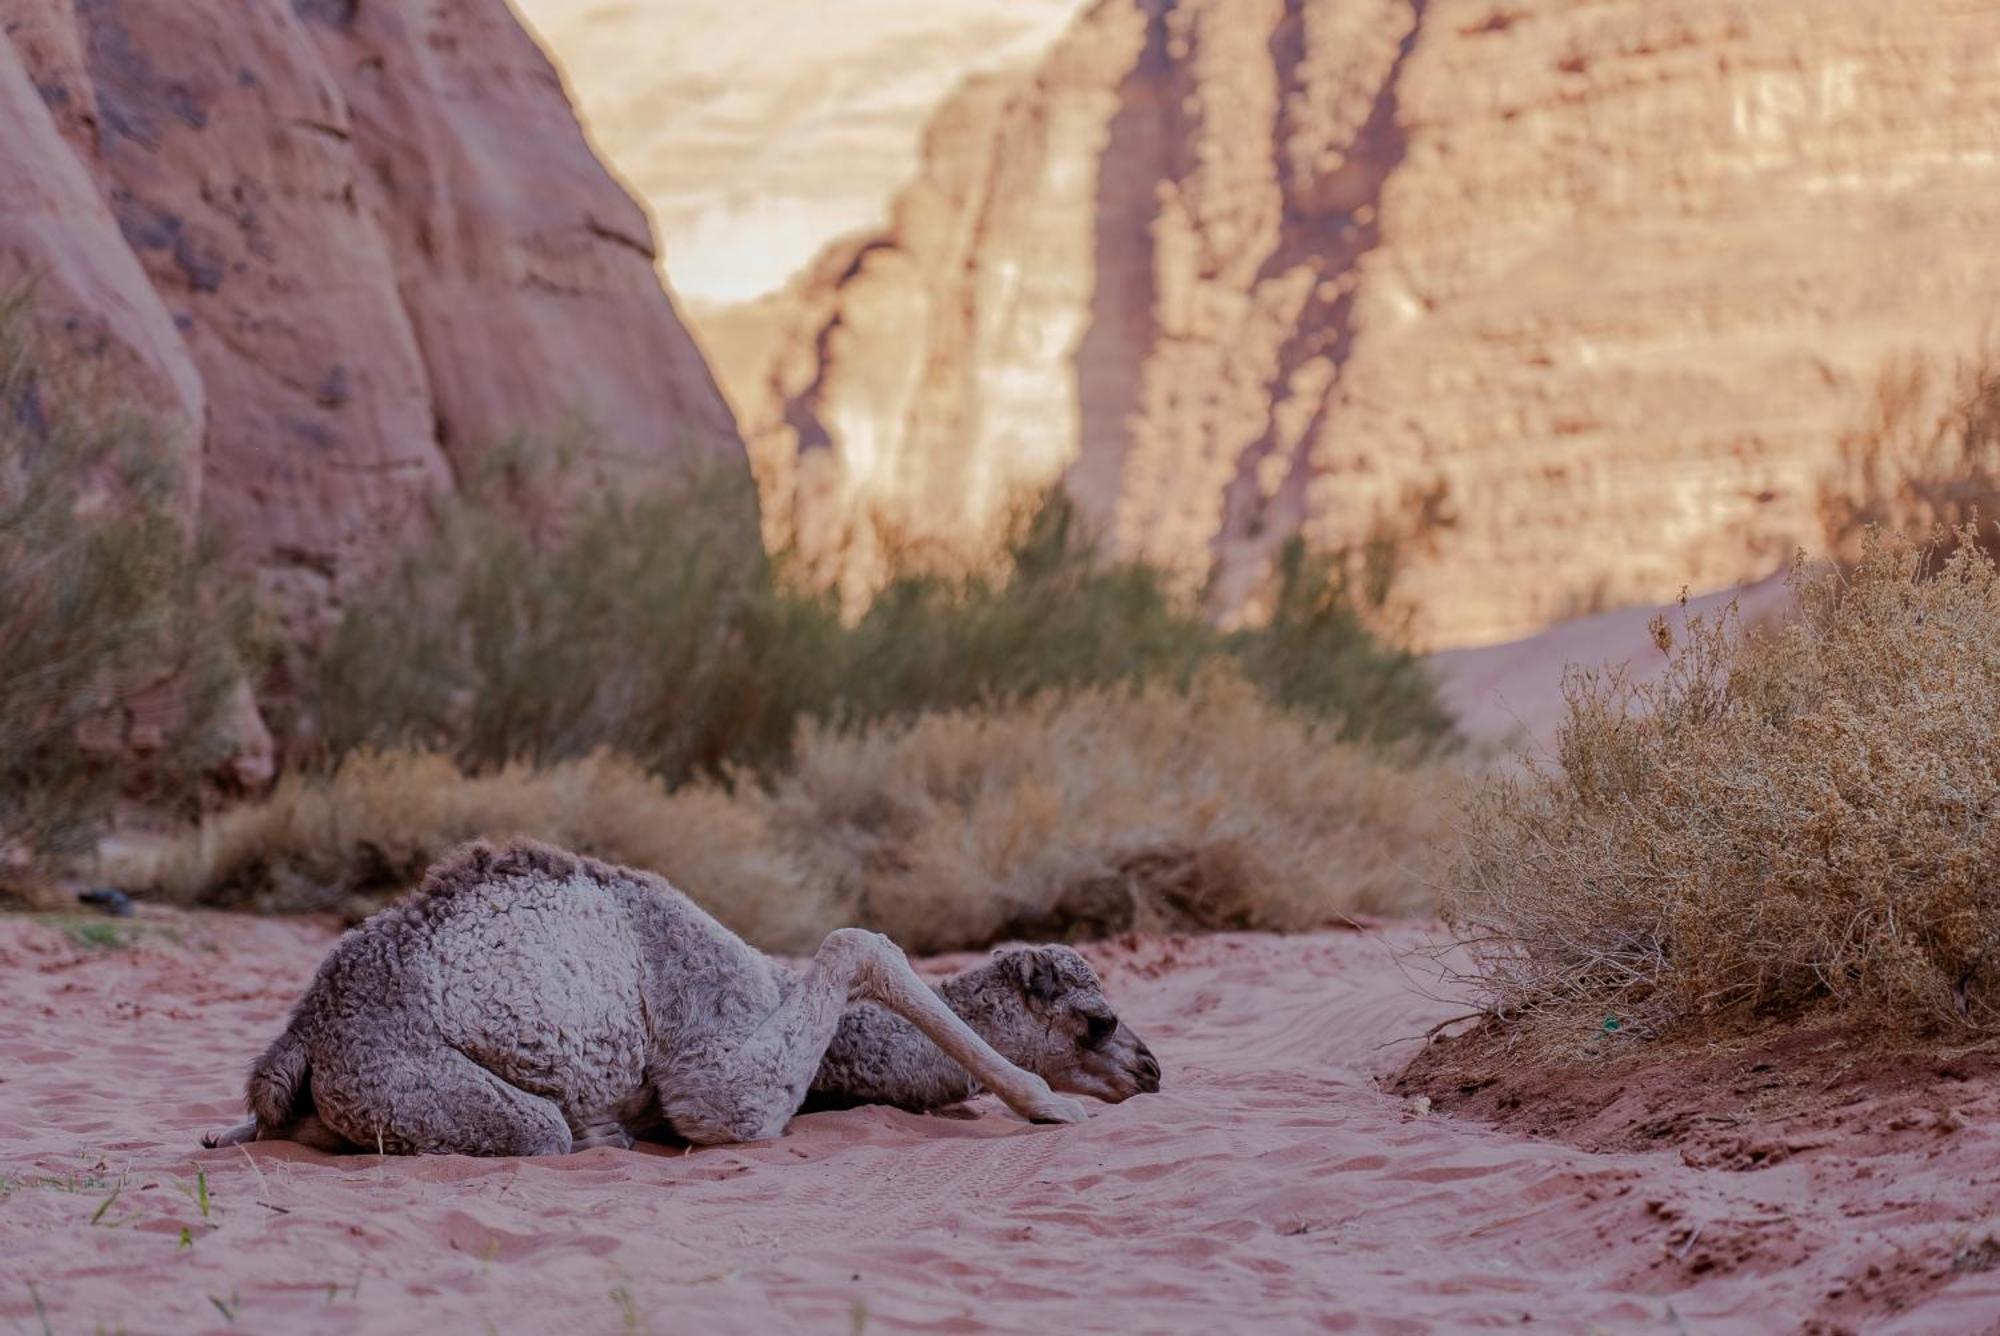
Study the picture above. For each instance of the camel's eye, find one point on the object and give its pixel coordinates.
(1098, 1028)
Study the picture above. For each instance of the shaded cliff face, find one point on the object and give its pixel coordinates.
(757, 133)
(1588, 291)
(347, 249)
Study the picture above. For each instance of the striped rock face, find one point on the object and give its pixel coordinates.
(1583, 296)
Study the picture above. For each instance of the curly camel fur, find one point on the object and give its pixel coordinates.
(527, 1001)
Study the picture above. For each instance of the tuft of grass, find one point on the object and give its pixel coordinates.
(1799, 817)
(97, 935)
(1069, 814)
(105, 618)
(629, 1319)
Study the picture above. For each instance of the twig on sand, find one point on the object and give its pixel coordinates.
(1432, 1033)
(1428, 1035)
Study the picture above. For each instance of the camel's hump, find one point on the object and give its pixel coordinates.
(479, 866)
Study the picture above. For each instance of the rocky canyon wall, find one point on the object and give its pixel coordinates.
(758, 133)
(1585, 290)
(344, 250)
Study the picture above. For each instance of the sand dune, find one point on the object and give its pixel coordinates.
(1510, 697)
(1273, 1185)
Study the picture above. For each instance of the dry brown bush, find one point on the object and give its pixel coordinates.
(344, 840)
(1109, 810)
(1925, 460)
(1066, 815)
(1799, 816)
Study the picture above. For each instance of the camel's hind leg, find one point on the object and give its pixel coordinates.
(235, 1136)
(306, 1131)
(751, 1091)
(437, 1102)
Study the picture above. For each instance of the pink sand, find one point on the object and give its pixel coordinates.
(1272, 1186)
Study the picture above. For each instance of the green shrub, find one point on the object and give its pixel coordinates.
(101, 605)
(642, 624)
(1053, 612)
(1318, 653)
(655, 627)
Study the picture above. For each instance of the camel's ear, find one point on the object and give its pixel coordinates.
(1035, 970)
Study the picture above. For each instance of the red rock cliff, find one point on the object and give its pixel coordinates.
(1607, 278)
(345, 248)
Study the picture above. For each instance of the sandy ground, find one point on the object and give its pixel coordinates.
(1510, 697)
(1274, 1184)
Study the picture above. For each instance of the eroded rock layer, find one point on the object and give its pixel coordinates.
(757, 133)
(347, 249)
(1583, 292)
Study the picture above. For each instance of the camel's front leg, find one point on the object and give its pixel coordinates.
(896, 986)
(751, 1091)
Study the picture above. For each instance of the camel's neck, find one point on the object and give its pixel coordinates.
(879, 1058)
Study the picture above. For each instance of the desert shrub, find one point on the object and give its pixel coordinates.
(102, 606)
(1079, 814)
(1924, 462)
(1067, 814)
(649, 623)
(1053, 611)
(346, 839)
(1792, 817)
(1320, 652)
(656, 627)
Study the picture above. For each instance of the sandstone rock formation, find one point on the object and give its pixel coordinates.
(1595, 286)
(55, 225)
(349, 248)
(758, 133)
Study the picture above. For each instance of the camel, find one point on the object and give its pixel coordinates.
(529, 1001)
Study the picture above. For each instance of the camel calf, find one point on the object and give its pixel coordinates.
(527, 1001)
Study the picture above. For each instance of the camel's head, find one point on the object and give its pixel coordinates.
(1056, 1022)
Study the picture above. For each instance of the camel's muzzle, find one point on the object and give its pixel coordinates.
(1146, 1070)
(1114, 1071)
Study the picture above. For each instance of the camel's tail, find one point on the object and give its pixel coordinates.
(277, 1082)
